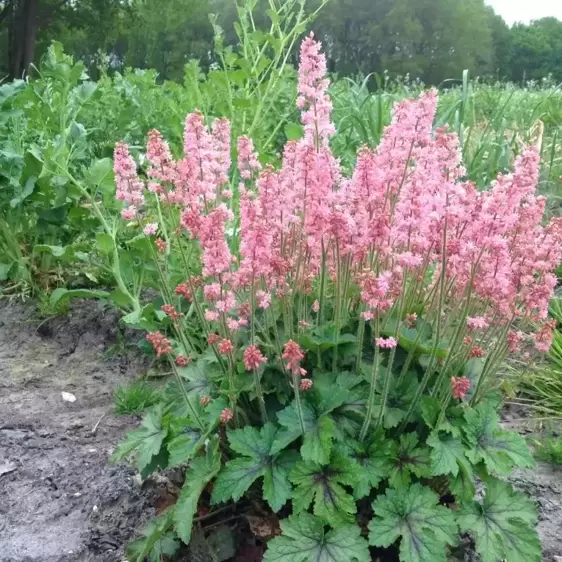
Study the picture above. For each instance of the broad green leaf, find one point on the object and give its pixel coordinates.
(400, 396)
(146, 441)
(104, 243)
(201, 471)
(324, 486)
(502, 525)
(500, 450)
(25, 192)
(100, 173)
(407, 457)
(414, 516)
(61, 294)
(182, 447)
(156, 541)
(318, 432)
(56, 251)
(447, 453)
(258, 459)
(431, 409)
(293, 131)
(304, 539)
(372, 460)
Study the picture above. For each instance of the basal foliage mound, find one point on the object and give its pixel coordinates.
(335, 340)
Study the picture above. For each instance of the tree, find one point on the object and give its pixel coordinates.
(536, 50)
(21, 21)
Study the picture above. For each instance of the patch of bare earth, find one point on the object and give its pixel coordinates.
(60, 499)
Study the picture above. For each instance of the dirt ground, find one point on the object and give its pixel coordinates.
(60, 500)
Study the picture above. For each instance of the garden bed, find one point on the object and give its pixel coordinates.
(62, 501)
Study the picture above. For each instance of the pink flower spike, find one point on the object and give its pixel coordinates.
(128, 213)
(306, 384)
(226, 415)
(161, 344)
(151, 229)
(293, 354)
(460, 386)
(161, 245)
(253, 358)
(225, 347)
(204, 400)
(386, 343)
(315, 306)
(477, 323)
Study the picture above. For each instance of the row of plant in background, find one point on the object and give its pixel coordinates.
(58, 133)
(335, 337)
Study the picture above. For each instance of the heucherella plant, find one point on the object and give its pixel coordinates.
(343, 368)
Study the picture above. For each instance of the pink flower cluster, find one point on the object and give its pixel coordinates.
(405, 227)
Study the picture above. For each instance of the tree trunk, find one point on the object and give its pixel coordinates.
(23, 26)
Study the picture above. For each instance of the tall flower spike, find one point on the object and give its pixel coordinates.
(129, 186)
(313, 99)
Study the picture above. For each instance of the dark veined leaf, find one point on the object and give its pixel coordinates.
(372, 460)
(499, 450)
(324, 486)
(201, 471)
(319, 427)
(431, 409)
(407, 457)
(304, 539)
(414, 515)
(502, 525)
(157, 541)
(447, 453)
(146, 441)
(257, 461)
(400, 396)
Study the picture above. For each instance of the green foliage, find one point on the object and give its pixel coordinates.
(548, 449)
(134, 398)
(324, 486)
(304, 539)
(200, 472)
(415, 516)
(257, 461)
(499, 450)
(502, 524)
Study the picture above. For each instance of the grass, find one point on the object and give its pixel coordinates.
(548, 449)
(135, 397)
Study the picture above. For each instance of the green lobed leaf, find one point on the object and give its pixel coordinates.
(414, 516)
(201, 471)
(500, 450)
(146, 441)
(324, 486)
(304, 539)
(317, 437)
(258, 460)
(156, 541)
(407, 457)
(372, 461)
(502, 525)
(182, 447)
(447, 453)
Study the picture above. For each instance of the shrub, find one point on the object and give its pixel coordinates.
(348, 334)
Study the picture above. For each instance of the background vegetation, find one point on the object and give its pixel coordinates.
(431, 40)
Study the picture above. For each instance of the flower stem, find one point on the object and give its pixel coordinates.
(372, 392)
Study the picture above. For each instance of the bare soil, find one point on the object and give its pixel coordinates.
(60, 499)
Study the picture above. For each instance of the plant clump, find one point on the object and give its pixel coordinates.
(335, 339)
